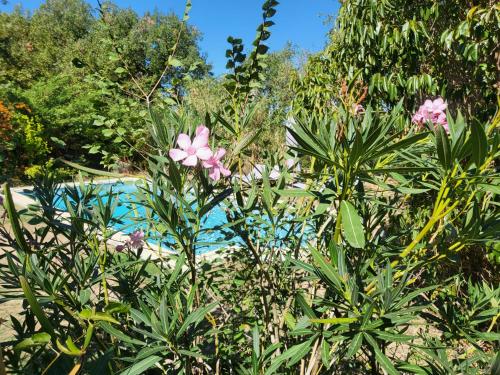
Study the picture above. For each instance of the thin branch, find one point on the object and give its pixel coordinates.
(174, 50)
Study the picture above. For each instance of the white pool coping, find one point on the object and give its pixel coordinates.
(119, 238)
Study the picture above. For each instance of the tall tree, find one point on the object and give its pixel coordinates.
(415, 49)
(81, 71)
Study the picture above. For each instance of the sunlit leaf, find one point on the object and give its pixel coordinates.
(352, 226)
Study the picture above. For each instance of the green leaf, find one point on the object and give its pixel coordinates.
(174, 62)
(495, 189)
(104, 317)
(225, 124)
(245, 142)
(392, 337)
(150, 350)
(300, 300)
(413, 369)
(292, 355)
(354, 345)
(256, 341)
(88, 314)
(290, 320)
(381, 357)
(95, 149)
(141, 366)
(399, 170)
(181, 260)
(120, 335)
(84, 296)
(406, 190)
(70, 350)
(38, 339)
(88, 336)
(479, 144)
(36, 308)
(58, 141)
(108, 132)
(85, 314)
(443, 147)
(294, 193)
(325, 353)
(327, 268)
(335, 320)
(72, 347)
(114, 307)
(91, 170)
(495, 368)
(10, 208)
(351, 223)
(194, 318)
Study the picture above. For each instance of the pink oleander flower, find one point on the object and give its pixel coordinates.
(437, 106)
(215, 165)
(441, 120)
(432, 111)
(136, 239)
(189, 151)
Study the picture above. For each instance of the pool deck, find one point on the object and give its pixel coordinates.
(22, 201)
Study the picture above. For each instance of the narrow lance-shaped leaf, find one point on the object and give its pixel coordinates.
(479, 144)
(292, 356)
(326, 268)
(380, 356)
(14, 219)
(355, 344)
(335, 320)
(141, 366)
(351, 223)
(38, 339)
(443, 147)
(91, 170)
(194, 318)
(36, 308)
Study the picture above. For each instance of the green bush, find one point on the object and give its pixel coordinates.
(375, 256)
(351, 273)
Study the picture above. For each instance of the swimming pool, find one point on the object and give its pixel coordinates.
(129, 213)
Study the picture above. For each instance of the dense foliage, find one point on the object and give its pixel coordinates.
(79, 73)
(366, 243)
(413, 49)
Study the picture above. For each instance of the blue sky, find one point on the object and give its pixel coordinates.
(301, 22)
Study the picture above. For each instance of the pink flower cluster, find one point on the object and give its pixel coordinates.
(190, 152)
(135, 241)
(432, 111)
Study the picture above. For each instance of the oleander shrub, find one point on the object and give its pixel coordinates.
(362, 245)
(339, 275)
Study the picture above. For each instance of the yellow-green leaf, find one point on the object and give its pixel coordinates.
(334, 320)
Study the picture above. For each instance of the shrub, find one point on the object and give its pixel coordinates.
(334, 277)
(362, 245)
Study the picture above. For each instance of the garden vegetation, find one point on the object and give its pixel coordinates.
(360, 194)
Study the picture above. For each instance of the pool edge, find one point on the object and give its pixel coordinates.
(23, 201)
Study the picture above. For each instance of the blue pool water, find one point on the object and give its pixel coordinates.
(128, 216)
